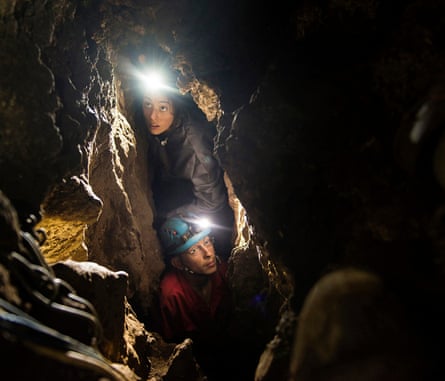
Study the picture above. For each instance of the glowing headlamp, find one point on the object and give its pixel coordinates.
(203, 223)
(154, 80)
(196, 225)
(179, 234)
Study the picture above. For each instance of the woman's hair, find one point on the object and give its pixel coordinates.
(180, 108)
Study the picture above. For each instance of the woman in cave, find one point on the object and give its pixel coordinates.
(195, 299)
(186, 176)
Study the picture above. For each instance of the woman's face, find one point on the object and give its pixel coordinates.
(200, 258)
(158, 113)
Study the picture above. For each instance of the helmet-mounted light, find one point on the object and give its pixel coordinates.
(202, 222)
(154, 80)
(180, 233)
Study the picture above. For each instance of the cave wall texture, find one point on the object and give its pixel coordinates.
(313, 101)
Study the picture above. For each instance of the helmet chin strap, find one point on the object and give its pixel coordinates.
(191, 272)
(187, 270)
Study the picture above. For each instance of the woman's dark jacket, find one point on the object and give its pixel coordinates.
(187, 177)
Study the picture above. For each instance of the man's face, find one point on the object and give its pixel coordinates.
(158, 113)
(200, 258)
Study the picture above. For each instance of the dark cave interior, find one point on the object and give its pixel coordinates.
(329, 119)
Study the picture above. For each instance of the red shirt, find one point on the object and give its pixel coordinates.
(186, 314)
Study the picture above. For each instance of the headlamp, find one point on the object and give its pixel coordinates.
(155, 80)
(203, 223)
(180, 233)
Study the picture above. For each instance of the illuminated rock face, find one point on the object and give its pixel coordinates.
(313, 105)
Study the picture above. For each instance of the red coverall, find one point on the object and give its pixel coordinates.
(186, 314)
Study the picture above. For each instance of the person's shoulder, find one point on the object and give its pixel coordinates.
(173, 288)
(200, 133)
(199, 125)
(169, 279)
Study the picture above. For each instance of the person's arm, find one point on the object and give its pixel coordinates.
(208, 184)
(171, 321)
(206, 176)
(177, 308)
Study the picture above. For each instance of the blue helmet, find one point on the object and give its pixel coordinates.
(178, 234)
